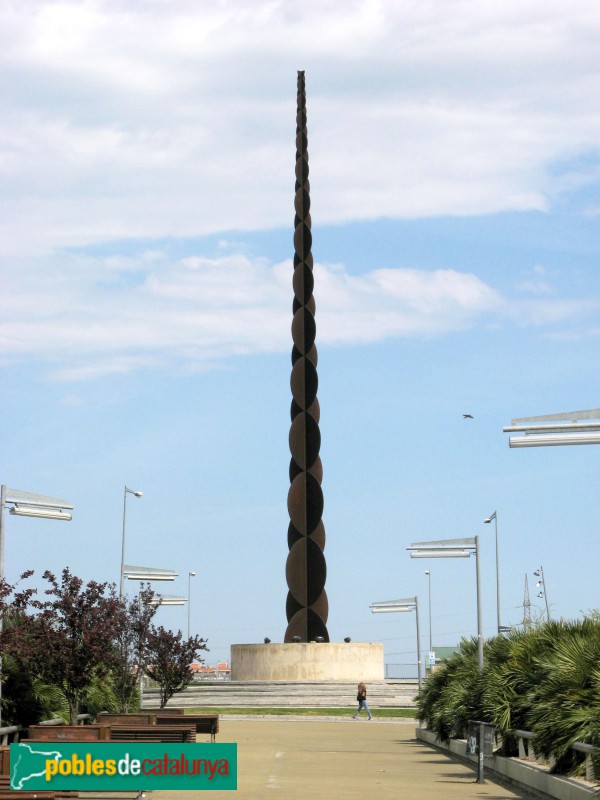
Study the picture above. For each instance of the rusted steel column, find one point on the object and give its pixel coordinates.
(306, 607)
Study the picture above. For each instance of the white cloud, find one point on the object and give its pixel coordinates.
(128, 119)
(101, 316)
(550, 313)
(535, 287)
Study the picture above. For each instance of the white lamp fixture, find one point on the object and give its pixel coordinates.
(26, 504)
(167, 600)
(456, 548)
(442, 554)
(45, 513)
(406, 605)
(548, 430)
(149, 574)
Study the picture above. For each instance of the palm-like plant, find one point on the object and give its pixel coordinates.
(512, 673)
(546, 680)
(567, 699)
(452, 695)
(101, 696)
(498, 689)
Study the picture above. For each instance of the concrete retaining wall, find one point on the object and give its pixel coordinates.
(521, 773)
(312, 661)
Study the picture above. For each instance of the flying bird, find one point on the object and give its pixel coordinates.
(468, 416)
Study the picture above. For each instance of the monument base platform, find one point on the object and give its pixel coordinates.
(307, 661)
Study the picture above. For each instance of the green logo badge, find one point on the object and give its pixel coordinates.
(115, 767)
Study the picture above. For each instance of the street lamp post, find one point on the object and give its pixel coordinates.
(125, 493)
(408, 604)
(459, 548)
(541, 584)
(489, 519)
(150, 573)
(26, 504)
(428, 573)
(456, 548)
(548, 430)
(189, 600)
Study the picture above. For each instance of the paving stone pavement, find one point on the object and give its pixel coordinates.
(327, 758)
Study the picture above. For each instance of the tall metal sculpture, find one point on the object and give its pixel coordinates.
(307, 607)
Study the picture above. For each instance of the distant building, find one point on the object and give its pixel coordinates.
(222, 672)
(441, 654)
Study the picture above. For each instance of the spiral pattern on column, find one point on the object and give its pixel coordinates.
(306, 607)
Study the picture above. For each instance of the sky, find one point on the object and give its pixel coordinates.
(147, 174)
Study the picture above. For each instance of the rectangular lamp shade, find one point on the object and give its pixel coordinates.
(554, 427)
(553, 439)
(441, 554)
(38, 511)
(389, 609)
(167, 601)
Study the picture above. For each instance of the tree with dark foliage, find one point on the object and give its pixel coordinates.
(69, 641)
(131, 646)
(18, 696)
(170, 660)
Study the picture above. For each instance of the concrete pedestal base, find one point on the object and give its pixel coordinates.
(310, 661)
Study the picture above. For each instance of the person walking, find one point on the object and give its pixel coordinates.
(362, 701)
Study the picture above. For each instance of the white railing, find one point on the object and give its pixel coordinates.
(527, 752)
(10, 733)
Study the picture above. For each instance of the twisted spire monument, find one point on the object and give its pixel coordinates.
(306, 606)
(306, 653)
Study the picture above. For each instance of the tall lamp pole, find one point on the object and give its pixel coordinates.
(190, 576)
(428, 573)
(456, 548)
(26, 504)
(407, 604)
(460, 548)
(494, 517)
(125, 493)
(541, 584)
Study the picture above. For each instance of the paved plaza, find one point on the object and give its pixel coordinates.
(314, 759)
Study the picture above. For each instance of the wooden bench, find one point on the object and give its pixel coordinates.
(6, 793)
(205, 723)
(106, 718)
(170, 711)
(10, 794)
(4, 759)
(67, 733)
(152, 733)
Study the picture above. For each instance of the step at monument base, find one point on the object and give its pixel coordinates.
(287, 694)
